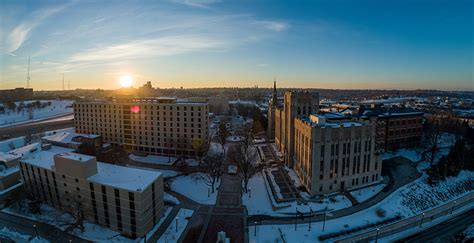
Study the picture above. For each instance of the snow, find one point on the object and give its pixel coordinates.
(153, 159)
(57, 108)
(469, 232)
(259, 201)
(92, 232)
(174, 231)
(66, 137)
(165, 173)
(367, 192)
(170, 199)
(10, 144)
(18, 237)
(404, 201)
(234, 138)
(127, 178)
(194, 187)
(411, 154)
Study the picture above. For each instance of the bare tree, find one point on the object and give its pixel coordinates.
(198, 147)
(222, 134)
(213, 164)
(245, 157)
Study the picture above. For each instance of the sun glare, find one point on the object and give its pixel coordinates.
(126, 81)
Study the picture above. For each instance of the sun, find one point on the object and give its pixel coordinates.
(126, 81)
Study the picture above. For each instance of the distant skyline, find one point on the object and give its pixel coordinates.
(341, 44)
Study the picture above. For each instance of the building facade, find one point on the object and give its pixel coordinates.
(296, 103)
(217, 105)
(124, 199)
(17, 94)
(272, 106)
(150, 125)
(335, 156)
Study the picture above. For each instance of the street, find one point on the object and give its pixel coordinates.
(36, 127)
(443, 231)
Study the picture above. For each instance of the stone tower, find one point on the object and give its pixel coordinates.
(272, 105)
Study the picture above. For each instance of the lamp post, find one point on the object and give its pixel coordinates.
(422, 217)
(250, 192)
(255, 231)
(377, 235)
(310, 218)
(36, 230)
(452, 208)
(296, 217)
(208, 191)
(324, 218)
(177, 224)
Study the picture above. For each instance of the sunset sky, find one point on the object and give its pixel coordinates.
(212, 43)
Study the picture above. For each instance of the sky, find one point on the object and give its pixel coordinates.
(343, 44)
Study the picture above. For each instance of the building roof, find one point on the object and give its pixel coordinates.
(130, 179)
(66, 137)
(127, 178)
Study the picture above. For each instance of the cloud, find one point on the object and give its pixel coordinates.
(20, 33)
(165, 46)
(196, 3)
(273, 25)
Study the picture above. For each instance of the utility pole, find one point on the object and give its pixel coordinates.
(28, 74)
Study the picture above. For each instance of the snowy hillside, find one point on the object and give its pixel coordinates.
(32, 110)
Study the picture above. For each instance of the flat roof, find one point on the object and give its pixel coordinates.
(130, 179)
(75, 156)
(66, 137)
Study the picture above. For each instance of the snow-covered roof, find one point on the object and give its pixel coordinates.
(66, 137)
(8, 157)
(8, 171)
(126, 178)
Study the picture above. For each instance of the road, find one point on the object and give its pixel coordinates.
(36, 127)
(443, 231)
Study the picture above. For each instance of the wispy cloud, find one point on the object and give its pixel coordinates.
(20, 33)
(197, 3)
(165, 46)
(273, 25)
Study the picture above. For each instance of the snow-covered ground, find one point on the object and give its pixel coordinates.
(408, 200)
(194, 187)
(92, 232)
(177, 226)
(258, 202)
(367, 192)
(18, 237)
(166, 173)
(170, 198)
(57, 107)
(162, 160)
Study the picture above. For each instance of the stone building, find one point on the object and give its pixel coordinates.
(272, 106)
(335, 156)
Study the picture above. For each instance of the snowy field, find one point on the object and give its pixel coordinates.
(177, 226)
(166, 173)
(18, 237)
(57, 108)
(194, 187)
(408, 200)
(259, 201)
(162, 160)
(367, 193)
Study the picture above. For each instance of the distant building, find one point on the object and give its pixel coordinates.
(146, 90)
(90, 144)
(396, 127)
(17, 94)
(272, 106)
(217, 105)
(296, 103)
(332, 156)
(124, 199)
(160, 125)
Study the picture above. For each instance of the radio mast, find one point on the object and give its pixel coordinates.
(28, 74)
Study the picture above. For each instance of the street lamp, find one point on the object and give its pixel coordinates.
(250, 192)
(208, 191)
(255, 231)
(310, 218)
(422, 217)
(324, 219)
(177, 224)
(36, 230)
(296, 217)
(377, 235)
(452, 208)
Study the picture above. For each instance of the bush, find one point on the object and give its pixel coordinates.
(380, 213)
